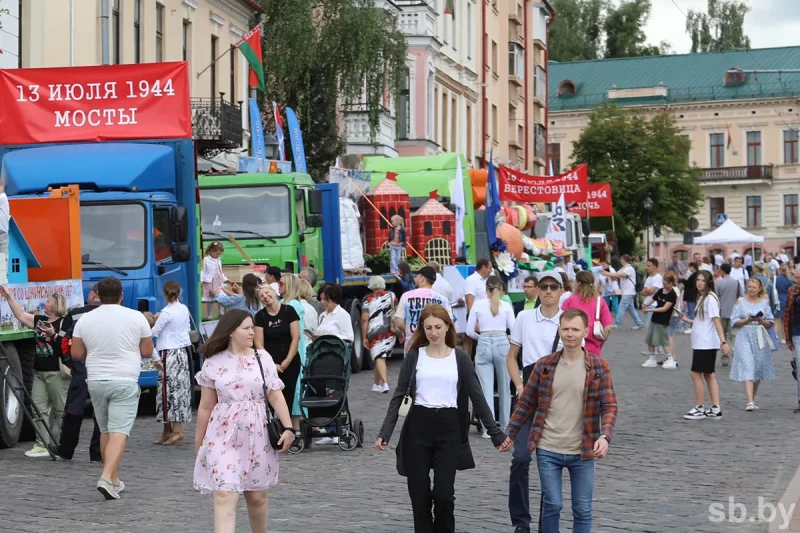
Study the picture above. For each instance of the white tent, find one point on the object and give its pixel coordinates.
(729, 232)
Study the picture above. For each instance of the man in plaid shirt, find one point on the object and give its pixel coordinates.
(571, 401)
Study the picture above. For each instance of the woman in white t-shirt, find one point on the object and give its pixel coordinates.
(438, 382)
(493, 317)
(707, 337)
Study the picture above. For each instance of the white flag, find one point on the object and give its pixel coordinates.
(460, 205)
(557, 227)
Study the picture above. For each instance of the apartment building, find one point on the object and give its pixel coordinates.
(743, 129)
(475, 83)
(71, 33)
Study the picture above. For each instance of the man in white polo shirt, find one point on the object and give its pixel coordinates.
(475, 284)
(536, 332)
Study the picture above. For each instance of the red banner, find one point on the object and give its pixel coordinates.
(107, 103)
(514, 186)
(598, 200)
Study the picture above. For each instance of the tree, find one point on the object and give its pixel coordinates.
(641, 158)
(721, 28)
(320, 56)
(624, 30)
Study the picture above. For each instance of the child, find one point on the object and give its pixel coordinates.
(658, 329)
(212, 275)
(397, 242)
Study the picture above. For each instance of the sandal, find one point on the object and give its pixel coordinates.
(751, 407)
(163, 438)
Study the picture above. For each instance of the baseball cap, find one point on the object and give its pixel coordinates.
(428, 272)
(540, 276)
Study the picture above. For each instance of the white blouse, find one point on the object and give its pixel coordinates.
(172, 327)
(437, 380)
(337, 323)
(481, 313)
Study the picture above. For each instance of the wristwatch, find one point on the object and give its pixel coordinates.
(605, 437)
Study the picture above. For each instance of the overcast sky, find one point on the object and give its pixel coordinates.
(769, 23)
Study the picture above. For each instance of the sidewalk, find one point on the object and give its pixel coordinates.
(789, 498)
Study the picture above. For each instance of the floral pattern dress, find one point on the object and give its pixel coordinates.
(235, 455)
(752, 352)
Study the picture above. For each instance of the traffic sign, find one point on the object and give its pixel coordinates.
(693, 224)
(721, 218)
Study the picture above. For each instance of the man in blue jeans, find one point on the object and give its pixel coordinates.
(791, 329)
(569, 403)
(627, 284)
(536, 332)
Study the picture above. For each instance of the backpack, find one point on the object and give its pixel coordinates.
(639, 279)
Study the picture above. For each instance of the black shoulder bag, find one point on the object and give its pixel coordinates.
(275, 427)
(526, 371)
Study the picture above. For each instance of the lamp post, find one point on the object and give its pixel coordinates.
(648, 207)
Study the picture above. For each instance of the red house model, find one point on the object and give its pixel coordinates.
(433, 227)
(390, 200)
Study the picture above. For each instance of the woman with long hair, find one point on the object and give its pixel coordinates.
(234, 454)
(242, 296)
(439, 381)
(290, 289)
(568, 286)
(495, 318)
(752, 362)
(311, 314)
(406, 278)
(277, 326)
(587, 299)
(707, 338)
(174, 389)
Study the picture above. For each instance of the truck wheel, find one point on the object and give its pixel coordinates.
(11, 413)
(147, 402)
(26, 350)
(357, 357)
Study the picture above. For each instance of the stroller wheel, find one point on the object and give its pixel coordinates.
(358, 427)
(298, 445)
(348, 441)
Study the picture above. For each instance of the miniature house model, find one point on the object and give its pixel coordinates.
(434, 229)
(390, 200)
(20, 256)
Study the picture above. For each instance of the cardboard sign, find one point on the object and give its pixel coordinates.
(598, 201)
(105, 103)
(517, 186)
(32, 297)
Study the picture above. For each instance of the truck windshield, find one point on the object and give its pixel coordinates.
(113, 235)
(247, 212)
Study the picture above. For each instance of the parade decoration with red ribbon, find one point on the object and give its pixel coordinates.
(515, 186)
(598, 201)
(91, 104)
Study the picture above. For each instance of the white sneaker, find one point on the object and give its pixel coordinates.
(37, 451)
(687, 331)
(377, 388)
(697, 413)
(485, 435)
(324, 440)
(670, 365)
(636, 328)
(650, 363)
(385, 387)
(108, 491)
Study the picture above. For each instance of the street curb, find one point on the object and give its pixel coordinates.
(791, 496)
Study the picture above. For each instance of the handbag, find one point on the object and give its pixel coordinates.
(196, 336)
(597, 327)
(66, 372)
(275, 427)
(408, 401)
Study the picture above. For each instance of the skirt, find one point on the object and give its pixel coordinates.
(174, 389)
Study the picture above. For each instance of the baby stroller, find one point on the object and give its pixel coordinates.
(323, 396)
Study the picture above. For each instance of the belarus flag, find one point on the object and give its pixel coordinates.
(250, 46)
(279, 130)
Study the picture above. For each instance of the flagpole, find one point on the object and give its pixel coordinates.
(243, 39)
(212, 63)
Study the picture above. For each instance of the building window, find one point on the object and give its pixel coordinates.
(495, 122)
(494, 58)
(717, 141)
(716, 206)
(789, 209)
(15, 266)
(790, 147)
(392, 212)
(446, 227)
(753, 148)
(137, 31)
(469, 132)
(688, 149)
(233, 55)
(213, 68)
(567, 88)
(383, 224)
(469, 30)
(427, 228)
(516, 60)
(160, 33)
(753, 211)
(431, 100)
(445, 100)
(404, 107)
(453, 125)
(115, 29)
(539, 82)
(187, 37)
(554, 156)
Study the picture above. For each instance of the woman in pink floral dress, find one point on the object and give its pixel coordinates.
(233, 451)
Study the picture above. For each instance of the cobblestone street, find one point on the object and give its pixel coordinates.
(662, 474)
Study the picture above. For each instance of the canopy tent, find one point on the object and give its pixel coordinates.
(729, 232)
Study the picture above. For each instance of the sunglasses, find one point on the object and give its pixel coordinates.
(549, 286)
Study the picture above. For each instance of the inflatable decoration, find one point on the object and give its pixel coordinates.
(513, 239)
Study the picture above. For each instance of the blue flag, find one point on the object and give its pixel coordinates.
(492, 201)
(257, 131)
(296, 139)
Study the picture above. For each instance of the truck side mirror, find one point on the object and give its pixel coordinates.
(314, 221)
(181, 253)
(179, 225)
(315, 202)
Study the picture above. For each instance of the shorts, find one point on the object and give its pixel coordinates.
(115, 405)
(656, 335)
(674, 325)
(704, 361)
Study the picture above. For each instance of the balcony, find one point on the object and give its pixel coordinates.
(216, 125)
(357, 132)
(417, 21)
(540, 142)
(737, 175)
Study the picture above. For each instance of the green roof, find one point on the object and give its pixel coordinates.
(687, 77)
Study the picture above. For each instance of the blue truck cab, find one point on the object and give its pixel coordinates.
(139, 214)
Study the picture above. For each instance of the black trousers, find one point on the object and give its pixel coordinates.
(77, 395)
(432, 442)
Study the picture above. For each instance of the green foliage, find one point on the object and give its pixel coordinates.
(591, 29)
(379, 263)
(641, 158)
(320, 55)
(721, 28)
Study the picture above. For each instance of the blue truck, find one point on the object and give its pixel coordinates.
(139, 214)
